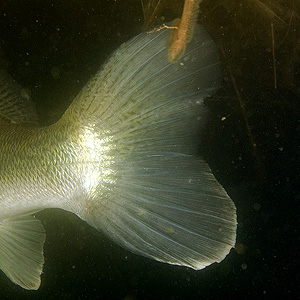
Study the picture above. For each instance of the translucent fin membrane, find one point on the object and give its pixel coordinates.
(154, 197)
(21, 251)
(171, 208)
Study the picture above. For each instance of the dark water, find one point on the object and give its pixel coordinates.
(53, 47)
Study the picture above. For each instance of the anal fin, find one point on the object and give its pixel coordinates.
(21, 250)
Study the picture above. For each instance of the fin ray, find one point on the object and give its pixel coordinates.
(21, 250)
(180, 220)
(154, 197)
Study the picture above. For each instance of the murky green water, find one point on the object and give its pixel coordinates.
(53, 47)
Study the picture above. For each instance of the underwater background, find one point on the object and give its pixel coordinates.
(251, 141)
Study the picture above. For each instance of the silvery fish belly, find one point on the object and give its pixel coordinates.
(122, 158)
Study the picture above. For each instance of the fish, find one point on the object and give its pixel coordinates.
(123, 158)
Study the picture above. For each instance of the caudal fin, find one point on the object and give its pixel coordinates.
(146, 188)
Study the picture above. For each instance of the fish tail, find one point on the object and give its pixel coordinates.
(147, 190)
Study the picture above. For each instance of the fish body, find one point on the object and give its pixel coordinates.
(122, 158)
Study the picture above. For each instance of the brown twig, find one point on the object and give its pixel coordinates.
(149, 12)
(273, 55)
(183, 34)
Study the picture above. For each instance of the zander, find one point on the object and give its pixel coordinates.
(122, 158)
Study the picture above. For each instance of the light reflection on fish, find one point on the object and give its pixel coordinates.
(122, 158)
